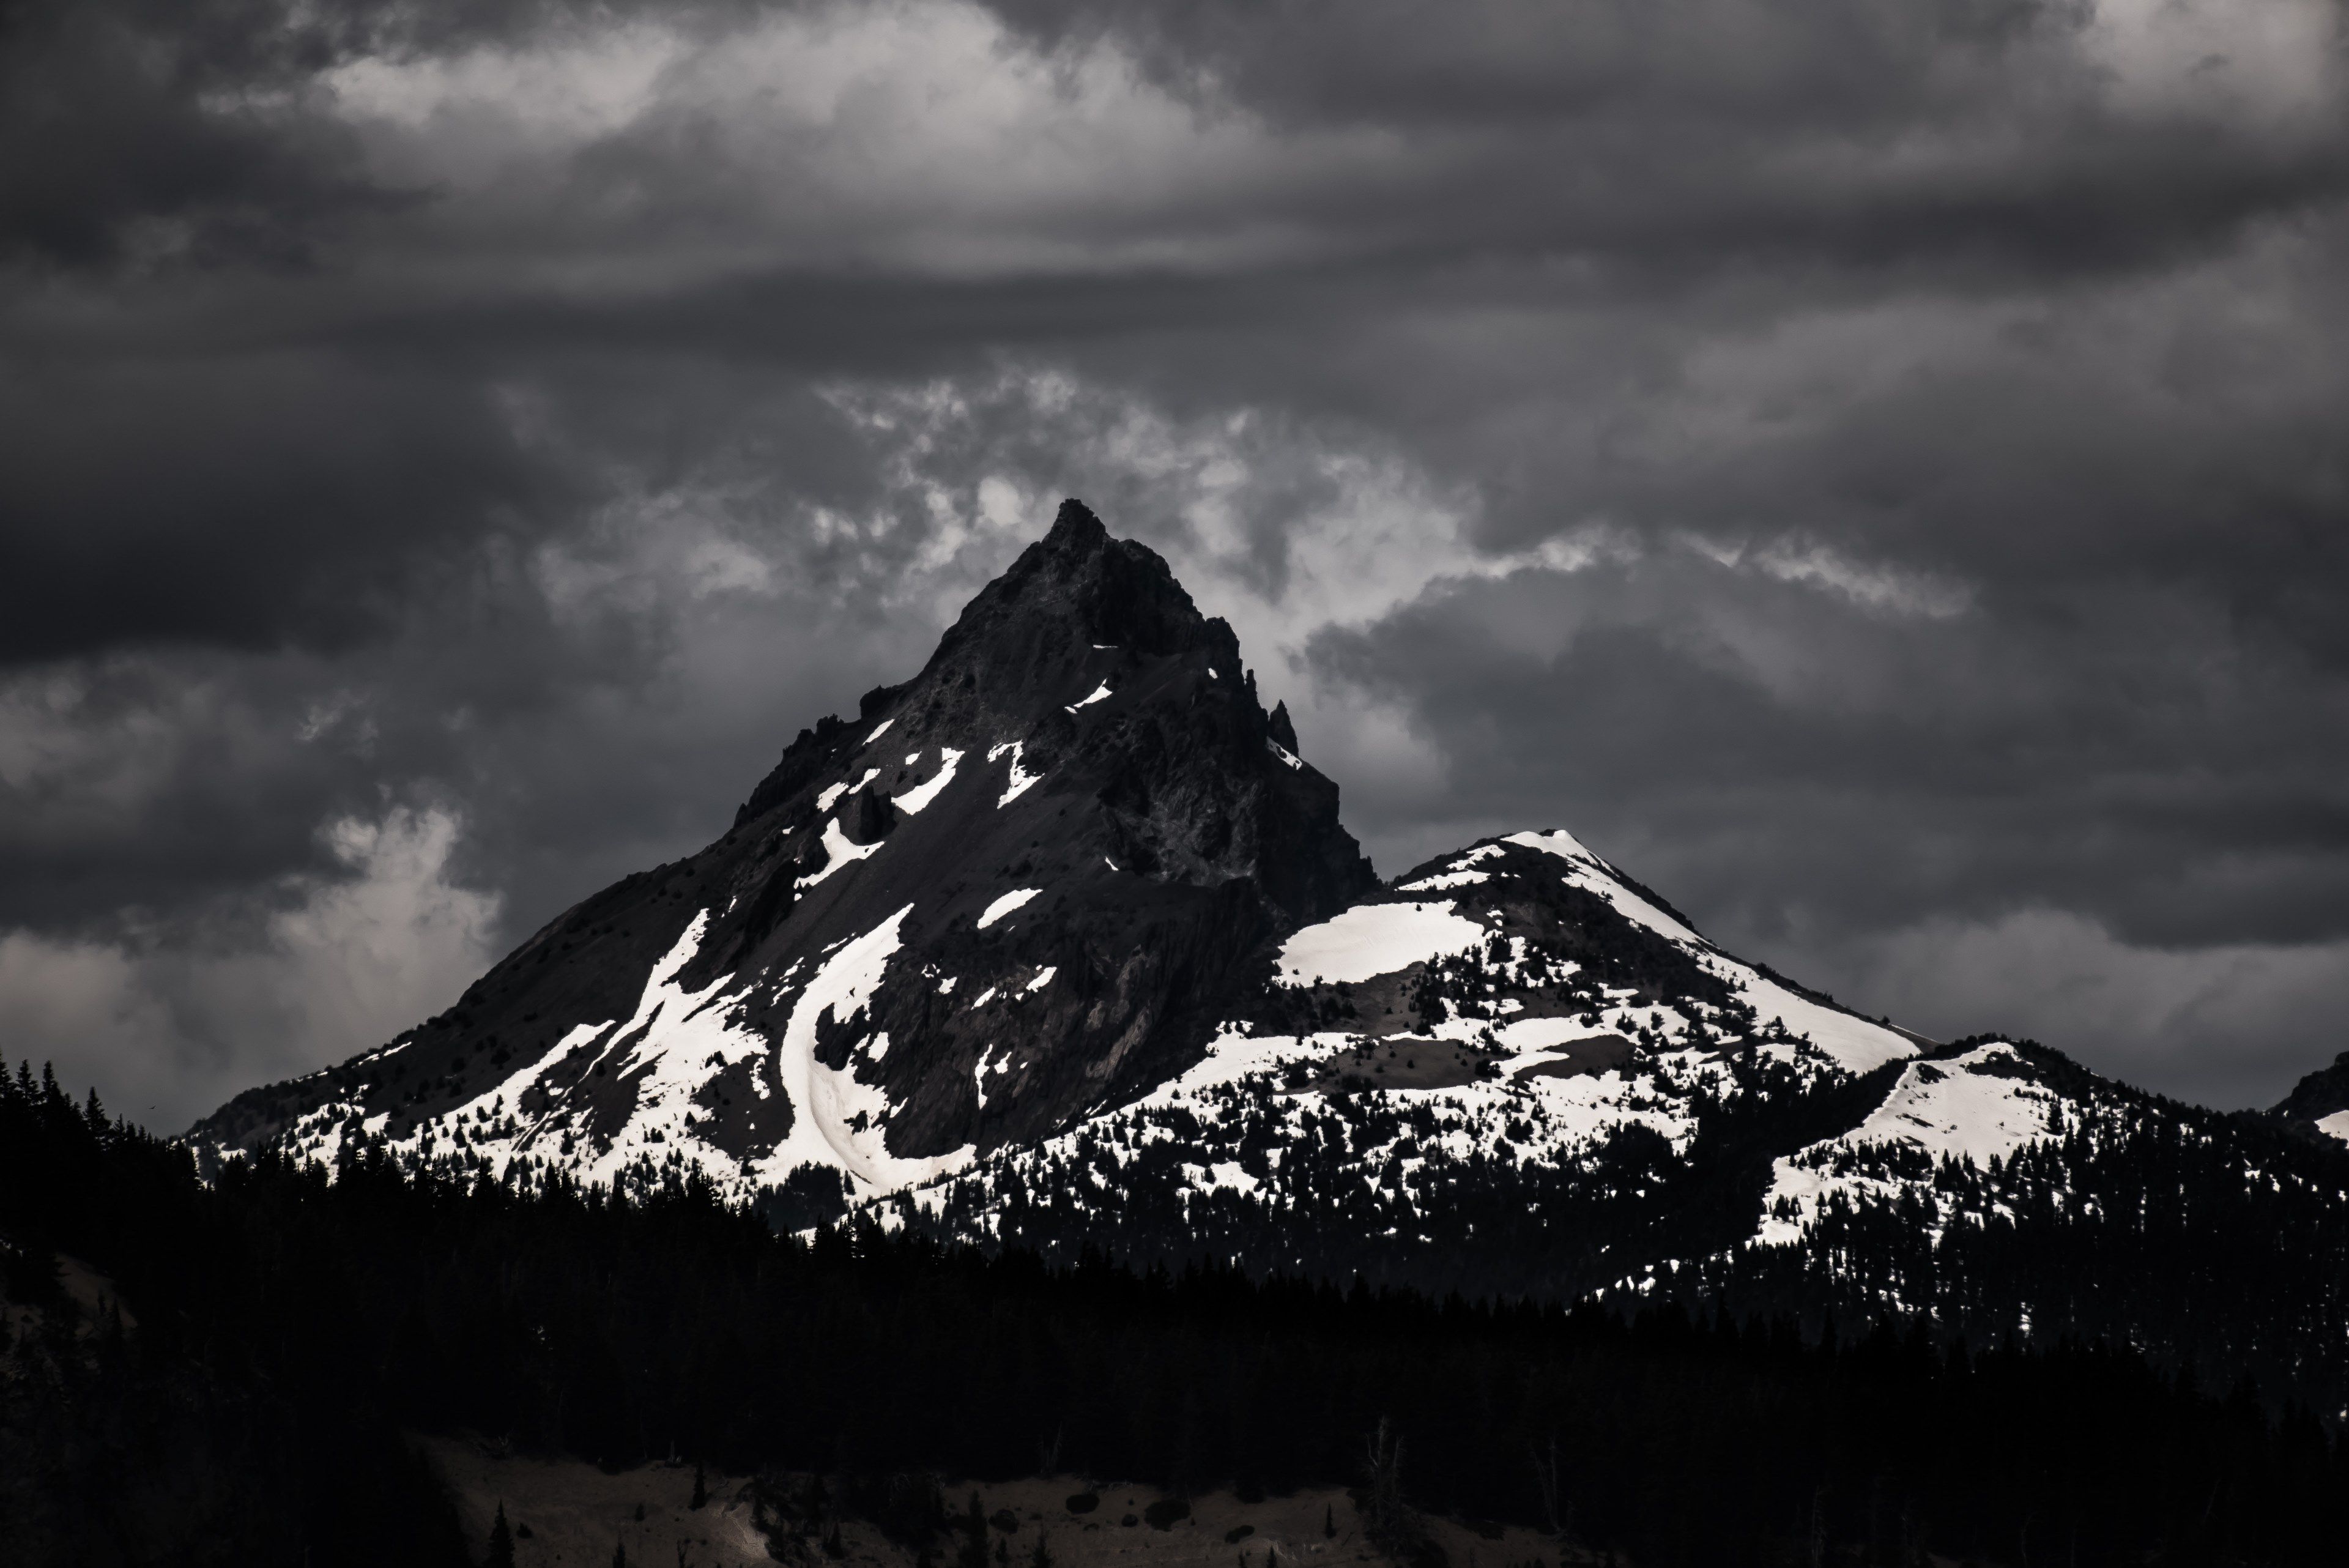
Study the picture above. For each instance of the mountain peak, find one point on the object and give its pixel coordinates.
(1029, 881)
(1077, 591)
(1075, 530)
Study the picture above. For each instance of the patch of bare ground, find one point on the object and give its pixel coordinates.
(576, 1515)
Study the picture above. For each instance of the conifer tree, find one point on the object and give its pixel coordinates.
(700, 1486)
(972, 1552)
(1041, 1556)
(501, 1541)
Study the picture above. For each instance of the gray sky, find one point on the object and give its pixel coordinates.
(1876, 469)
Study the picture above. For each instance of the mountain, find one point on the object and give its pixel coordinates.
(1062, 944)
(1022, 886)
(2320, 1100)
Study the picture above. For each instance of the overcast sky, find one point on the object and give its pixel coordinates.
(1876, 469)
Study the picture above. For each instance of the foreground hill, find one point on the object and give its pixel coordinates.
(1062, 944)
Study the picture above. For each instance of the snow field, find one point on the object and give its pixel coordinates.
(1951, 1109)
(1372, 940)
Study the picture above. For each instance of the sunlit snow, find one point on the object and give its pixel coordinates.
(1021, 778)
(1948, 1109)
(839, 851)
(1005, 905)
(1372, 940)
(823, 801)
(829, 1098)
(920, 795)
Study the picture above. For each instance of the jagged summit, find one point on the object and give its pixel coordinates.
(1079, 583)
(1022, 884)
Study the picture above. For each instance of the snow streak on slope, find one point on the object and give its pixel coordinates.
(1006, 905)
(920, 795)
(674, 1045)
(841, 1122)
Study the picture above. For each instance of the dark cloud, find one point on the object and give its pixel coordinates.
(1874, 470)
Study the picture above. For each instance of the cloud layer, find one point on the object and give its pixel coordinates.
(1875, 470)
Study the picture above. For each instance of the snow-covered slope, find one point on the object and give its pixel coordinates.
(1506, 1029)
(1972, 1109)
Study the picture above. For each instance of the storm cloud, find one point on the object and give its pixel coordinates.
(1875, 470)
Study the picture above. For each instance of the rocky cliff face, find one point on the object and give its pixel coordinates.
(1022, 886)
(2320, 1102)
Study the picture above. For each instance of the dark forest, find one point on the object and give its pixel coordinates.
(279, 1331)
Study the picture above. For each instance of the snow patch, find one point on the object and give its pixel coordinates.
(839, 851)
(825, 801)
(1524, 1034)
(1372, 939)
(1022, 779)
(920, 795)
(1285, 755)
(1459, 874)
(1005, 905)
(1098, 693)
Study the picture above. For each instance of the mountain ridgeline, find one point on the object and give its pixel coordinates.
(1061, 945)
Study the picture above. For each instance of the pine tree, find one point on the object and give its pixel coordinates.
(1042, 1557)
(700, 1486)
(619, 1554)
(501, 1541)
(972, 1552)
(1329, 1521)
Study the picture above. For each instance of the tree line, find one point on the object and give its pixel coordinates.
(283, 1329)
